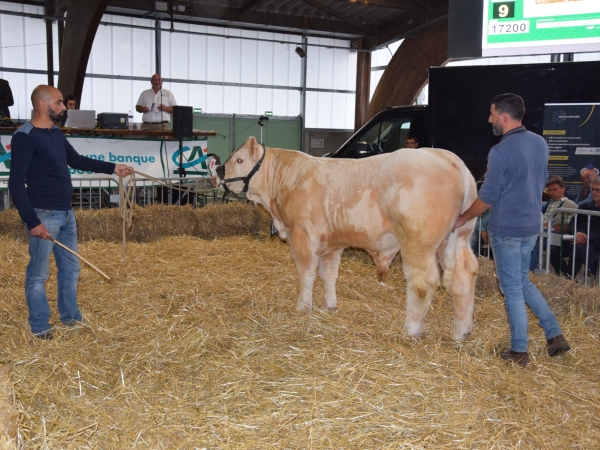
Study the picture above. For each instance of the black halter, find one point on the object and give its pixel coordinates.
(246, 179)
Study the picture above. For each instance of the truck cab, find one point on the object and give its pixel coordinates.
(386, 132)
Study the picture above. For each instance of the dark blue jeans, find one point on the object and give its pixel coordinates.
(61, 225)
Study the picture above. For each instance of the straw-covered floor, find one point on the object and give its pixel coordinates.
(195, 343)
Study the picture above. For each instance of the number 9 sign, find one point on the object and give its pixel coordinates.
(504, 10)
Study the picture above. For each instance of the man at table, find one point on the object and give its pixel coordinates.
(156, 105)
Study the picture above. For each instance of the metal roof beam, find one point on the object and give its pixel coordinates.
(231, 17)
(344, 18)
(410, 5)
(247, 6)
(411, 24)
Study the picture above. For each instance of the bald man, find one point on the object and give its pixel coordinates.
(156, 105)
(40, 185)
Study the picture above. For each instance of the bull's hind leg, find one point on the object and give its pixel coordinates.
(459, 280)
(422, 279)
(328, 271)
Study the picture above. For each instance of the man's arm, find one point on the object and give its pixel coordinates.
(141, 104)
(476, 209)
(77, 161)
(21, 156)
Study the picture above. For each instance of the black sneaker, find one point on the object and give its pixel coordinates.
(521, 358)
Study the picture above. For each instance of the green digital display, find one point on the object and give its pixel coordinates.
(529, 27)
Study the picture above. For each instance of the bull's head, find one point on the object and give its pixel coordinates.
(235, 174)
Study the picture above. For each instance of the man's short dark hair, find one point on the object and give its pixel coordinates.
(70, 97)
(556, 179)
(411, 136)
(511, 104)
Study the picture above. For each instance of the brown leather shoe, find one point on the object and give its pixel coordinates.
(521, 358)
(557, 345)
(45, 336)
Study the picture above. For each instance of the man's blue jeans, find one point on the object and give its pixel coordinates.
(62, 227)
(512, 257)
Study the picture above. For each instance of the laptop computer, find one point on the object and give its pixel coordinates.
(80, 118)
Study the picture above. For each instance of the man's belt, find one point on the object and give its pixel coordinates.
(154, 123)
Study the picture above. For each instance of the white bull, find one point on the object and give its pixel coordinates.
(405, 201)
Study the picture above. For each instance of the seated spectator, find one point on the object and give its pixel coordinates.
(411, 141)
(480, 239)
(555, 187)
(588, 174)
(582, 240)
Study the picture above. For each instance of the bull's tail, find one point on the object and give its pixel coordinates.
(460, 265)
(457, 248)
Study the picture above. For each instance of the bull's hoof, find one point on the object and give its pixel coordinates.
(332, 308)
(461, 336)
(304, 307)
(414, 332)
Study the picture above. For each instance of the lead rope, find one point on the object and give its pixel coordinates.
(127, 200)
(126, 193)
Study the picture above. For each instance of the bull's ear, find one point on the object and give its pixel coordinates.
(255, 148)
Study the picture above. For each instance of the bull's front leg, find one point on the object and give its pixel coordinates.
(306, 260)
(328, 271)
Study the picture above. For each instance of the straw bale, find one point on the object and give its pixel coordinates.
(8, 417)
(11, 225)
(196, 344)
(158, 221)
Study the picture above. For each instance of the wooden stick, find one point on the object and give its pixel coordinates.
(80, 257)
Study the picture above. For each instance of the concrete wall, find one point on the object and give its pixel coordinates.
(318, 141)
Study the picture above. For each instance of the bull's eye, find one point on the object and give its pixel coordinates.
(239, 160)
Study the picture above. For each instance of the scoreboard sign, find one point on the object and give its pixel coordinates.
(528, 27)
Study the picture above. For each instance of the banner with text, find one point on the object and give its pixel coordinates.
(159, 159)
(572, 131)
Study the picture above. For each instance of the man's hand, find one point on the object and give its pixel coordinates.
(460, 222)
(168, 109)
(476, 209)
(123, 170)
(141, 109)
(40, 232)
(580, 238)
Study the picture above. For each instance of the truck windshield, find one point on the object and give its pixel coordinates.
(387, 135)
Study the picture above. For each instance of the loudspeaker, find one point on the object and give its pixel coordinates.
(183, 120)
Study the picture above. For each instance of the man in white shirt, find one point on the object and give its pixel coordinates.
(156, 104)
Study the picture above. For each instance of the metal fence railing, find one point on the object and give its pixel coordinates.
(557, 240)
(99, 193)
(550, 241)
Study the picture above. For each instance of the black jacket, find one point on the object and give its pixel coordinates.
(582, 224)
(6, 98)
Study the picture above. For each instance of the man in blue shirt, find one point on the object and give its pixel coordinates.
(40, 185)
(516, 176)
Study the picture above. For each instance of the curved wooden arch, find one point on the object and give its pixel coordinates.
(406, 74)
(83, 18)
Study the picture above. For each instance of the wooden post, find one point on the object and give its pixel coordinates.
(49, 11)
(363, 88)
